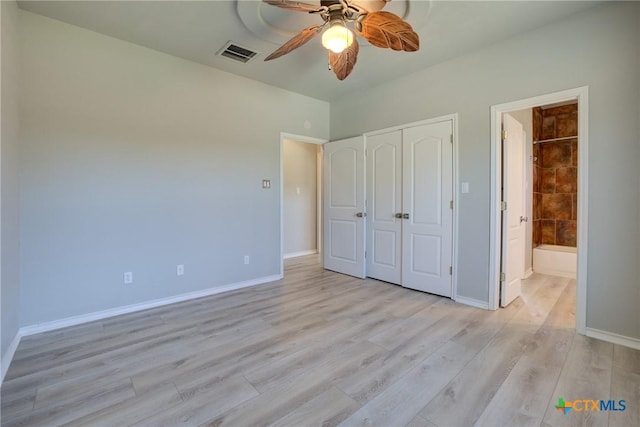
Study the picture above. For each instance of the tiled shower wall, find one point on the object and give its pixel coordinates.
(555, 176)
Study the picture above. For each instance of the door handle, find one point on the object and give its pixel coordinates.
(405, 216)
(361, 214)
(398, 215)
(523, 219)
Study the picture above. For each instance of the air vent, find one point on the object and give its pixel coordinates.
(236, 52)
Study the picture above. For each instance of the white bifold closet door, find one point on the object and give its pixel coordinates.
(384, 206)
(409, 196)
(344, 210)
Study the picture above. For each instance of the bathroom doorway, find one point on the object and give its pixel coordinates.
(550, 188)
(552, 210)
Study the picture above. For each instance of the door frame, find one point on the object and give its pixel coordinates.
(580, 95)
(308, 140)
(456, 196)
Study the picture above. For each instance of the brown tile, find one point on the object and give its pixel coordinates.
(574, 206)
(566, 180)
(536, 151)
(537, 123)
(556, 206)
(548, 127)
(566, 233)
(537, 206)
(548, 232)
(574, 152)
(536, 178)
(556, 154)
(561, 110)
(537, 233)
(566, 125)
(548, 181)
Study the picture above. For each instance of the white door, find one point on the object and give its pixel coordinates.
(427, 191)
(344, 213)
(513, 227)
(384, 205)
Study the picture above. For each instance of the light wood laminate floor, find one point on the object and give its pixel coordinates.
(320, 348)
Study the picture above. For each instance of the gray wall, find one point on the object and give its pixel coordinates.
(9, 191)
(134, 160)
(598, 48)
(300, 197)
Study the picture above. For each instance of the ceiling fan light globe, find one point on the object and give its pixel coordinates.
(337, 38)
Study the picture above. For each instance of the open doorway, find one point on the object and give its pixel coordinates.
(300, 196)
(519, 224)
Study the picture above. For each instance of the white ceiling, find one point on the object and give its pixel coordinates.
(197, 30)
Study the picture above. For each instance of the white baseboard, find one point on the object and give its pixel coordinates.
(8, 356)
(301, 253)
(614, 338)
(472, 302)
(98, 315)
(528, 273)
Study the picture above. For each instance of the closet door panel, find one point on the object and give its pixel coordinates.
(384, 201)
(427, 191)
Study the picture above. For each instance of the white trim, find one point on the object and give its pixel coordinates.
(8, 356)
(300, 253)
(583, 196)
(99, 315)
(453, 117)
(472, 302)
(581, 95)
(528, 273)
(456, 208)
(614, 338)
(300, 138)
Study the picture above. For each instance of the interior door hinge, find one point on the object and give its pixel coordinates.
(503, 206)
(450, 270)
(451, 204)
(504, 134)
(365, 254)
(451, 138)
(502, 277)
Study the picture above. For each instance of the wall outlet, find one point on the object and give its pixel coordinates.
(180, 270)
(246, 259)
(128, 278)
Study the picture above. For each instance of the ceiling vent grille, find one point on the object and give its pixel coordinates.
(236, 52)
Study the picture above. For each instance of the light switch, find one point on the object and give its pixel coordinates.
(266, 183)
(465, 187)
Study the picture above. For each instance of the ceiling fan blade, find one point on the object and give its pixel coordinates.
(342, 63)
(293, 5)
(384, 29)
(296, 41)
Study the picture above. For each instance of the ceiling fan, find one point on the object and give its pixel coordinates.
(380, 28)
